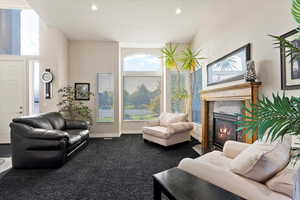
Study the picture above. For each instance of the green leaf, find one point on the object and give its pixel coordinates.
(273, 118)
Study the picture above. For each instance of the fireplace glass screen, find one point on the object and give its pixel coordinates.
(224, 129)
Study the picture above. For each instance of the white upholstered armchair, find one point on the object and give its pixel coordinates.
(168, 129)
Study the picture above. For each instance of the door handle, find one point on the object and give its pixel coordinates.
(21, 112)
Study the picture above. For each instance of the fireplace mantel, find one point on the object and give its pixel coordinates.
(246, 92)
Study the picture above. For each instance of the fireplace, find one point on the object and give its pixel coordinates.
(224, 128)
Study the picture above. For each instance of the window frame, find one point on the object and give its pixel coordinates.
(20, 37)
(125, 74)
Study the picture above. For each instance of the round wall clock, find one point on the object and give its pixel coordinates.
(47, 77)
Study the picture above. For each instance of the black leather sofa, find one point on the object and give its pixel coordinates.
(46, 140)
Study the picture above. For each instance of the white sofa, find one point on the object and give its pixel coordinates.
(215, 168)
(168, 129)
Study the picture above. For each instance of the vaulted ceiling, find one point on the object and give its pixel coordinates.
(148, 21)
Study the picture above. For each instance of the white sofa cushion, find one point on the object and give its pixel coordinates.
(260, 162)
(167, 132)
(214, 168)
(157, 131)
(168, 118)
(180, 127)
(232, 148)
(283, 182)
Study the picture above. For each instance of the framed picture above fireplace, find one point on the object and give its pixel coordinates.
(230, 67)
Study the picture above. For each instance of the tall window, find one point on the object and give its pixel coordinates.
(178, 98)
(34, 86)
(142, 74)
(197, 87)
(29, 33)
(19, 32)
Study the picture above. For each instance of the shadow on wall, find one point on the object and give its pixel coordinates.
(267, 72)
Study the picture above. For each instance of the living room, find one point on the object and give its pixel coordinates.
(174, 99)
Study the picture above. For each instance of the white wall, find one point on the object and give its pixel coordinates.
(86, 59)
(259, 19)
(53, 55)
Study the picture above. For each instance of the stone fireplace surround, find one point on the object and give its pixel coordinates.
(227, 100)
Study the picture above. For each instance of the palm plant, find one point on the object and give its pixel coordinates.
(170, 56)
(190, 60)
(171, 60)
(272, 118)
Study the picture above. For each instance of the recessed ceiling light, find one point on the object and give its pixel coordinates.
(178, 11)
(94, 7)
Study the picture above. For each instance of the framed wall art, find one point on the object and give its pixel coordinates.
(290, 66)
(230, 67)
(82, 91)
(105, 87)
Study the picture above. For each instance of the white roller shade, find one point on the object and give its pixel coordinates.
(14, 4)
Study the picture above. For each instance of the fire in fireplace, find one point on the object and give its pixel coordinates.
(224, 129)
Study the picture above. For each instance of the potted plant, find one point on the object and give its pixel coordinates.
(71, 108)
(188, 60)
(171, 60)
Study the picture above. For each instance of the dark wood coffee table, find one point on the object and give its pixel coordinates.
(177, 184)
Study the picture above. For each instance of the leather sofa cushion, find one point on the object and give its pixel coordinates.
(74, 139)
(56, 119)
(35, 122)
(84, 134)
(76, 124)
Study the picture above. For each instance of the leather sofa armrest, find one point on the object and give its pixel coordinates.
(77, 124)
(36, 133)
(152, 123)
(232, 148)
(47, 134)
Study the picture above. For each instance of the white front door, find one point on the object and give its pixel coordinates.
(12, 94)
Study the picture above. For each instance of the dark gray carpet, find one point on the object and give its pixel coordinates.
(118, 169)
(5, 150)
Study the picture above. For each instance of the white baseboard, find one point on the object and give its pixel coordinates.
(132, 132)
(104, 135)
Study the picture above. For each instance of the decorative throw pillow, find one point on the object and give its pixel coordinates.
(284, 181)
(168, 118)
(260, 162)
